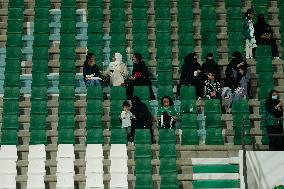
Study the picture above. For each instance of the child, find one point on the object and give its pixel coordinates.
(212, 87)
(167, 113)
(126, 117)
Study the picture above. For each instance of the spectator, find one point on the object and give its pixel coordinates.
(212, 87)
(126, 117)
(139, 77)
(274, 108)
(211, 66)
(191, 74)
(167, 114)
(91, 73)
(117, 71)
(248, 30)
(142, 117)
(243, 81)
(264, 34)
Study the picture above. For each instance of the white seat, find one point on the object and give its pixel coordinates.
(118, 151)
(36, 166)
(7, 182)
(65, 180)
(37, 152)
(8, 167)
(8, 152)
(65, 166)
(118, 166)
(65, 151)
(94, 166)
(94, 151)
(118, 181)
(94, 180)
(35, 182)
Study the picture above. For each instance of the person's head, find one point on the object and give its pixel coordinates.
(137, 57)
(117, 57)
(126, 106)
(237, 55)
(242, 70)
(90, 58)
(209, 56)
(136, 101)
(261, 19)
(167, 101)
(249, 13)
(210, 76)
(191, 57)
(274, 94)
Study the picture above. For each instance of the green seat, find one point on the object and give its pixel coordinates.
(188, 106)
(116, 106)
(68, 13)
(162, 13)
(68, 53)
(68, 26)
(66, 136)
(235, 38)
(95, 39)
(167, 136)
(42, 13)
(240, 106)
(68, 40)
(10, 106)
(140, 39)
(167, 151)
(40, 66)
(11, 93)
(67, 92)
(182, 3)
(208, 38)
(140, 26)
(15, 26)
(164, 52)
(117, 27)
(185, 50)
(143, 181)
(235, 3)
(142, 92)
(164, 65)
(41, 40)
(185, 26)
(117, 4)
(142, 136)
(95, 26)
(39, 79)
(67, 79)
(265, 78)
(264, 91)
(14, 39)
(117, 13)
(139, 14)
(189, 137)
(143, 151)
(162, 3)
(39, 107)
(43, 3)
(66, 107)
(260, 2)
(66, 121)
(95, 3)
(163, 25)
(143, 49)
(94, 136)
(95, 13)
(240, 120)
(185, 13)
(188, 92)
(16, 4)
(212, 106)
(15, 13)
(234, 13)
(115, 120)
(38, 122)
(213, 120)
(9, 137)
(263, 51)
(38, 137)
(168, 166)
(189, 121)
(94, 106)
(163, 38)
(94, 92)
(14, 52)
(165, 90)
(118, 38)
(208, 13)
(68, 3)
(139, 3)
(235, 25)
(208, 26)
(165, 78)
(143, 166)
(118, 93)
(186, 38)
(94, 121)
(40, 53)
(12, 79)
(10, 122)
(118, 136)
(207, 3)
(41, 26)
(214, 136)
(169, 181)
(67, 66)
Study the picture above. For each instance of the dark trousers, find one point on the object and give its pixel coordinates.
(276, 143)
(130, 133)
(167, 121)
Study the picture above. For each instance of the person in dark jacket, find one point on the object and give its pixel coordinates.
(264, 34)
(142, 116)
(191, 74)
(243, 80)
(274, 108)
(91, 72)
(211, 66)
(139, 77)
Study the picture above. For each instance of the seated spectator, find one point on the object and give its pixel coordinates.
(274, 108)
(91, 73)
(212, 87)
(191, 74)
(139, 77)
(264, 34)
(211, 66)
(167, 114)
(142, 117)
(126, 116)
(243, 81)
(249, 33)
(117, 71)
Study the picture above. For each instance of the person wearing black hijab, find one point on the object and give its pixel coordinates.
(211, 66)
(191, 74)
(139, 77)
(264, 34)
(274, 108)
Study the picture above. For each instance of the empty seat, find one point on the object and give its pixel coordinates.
(94, 151)
(94, 93)
(167, 165)
(167, 136)
(94, 180)
(8, 181)
(143, 181)
(143, 166)
(169, 181)
(35, 182)
(8, 152)
(190, 137)
(142, 136)
(118, 151)
(65, 165)
(94, 136)
(118, 181)
(65, 151)
(36, 167)
(118, 166)
(65, 180)
(37, 152)
(94, 166)
(8, 166)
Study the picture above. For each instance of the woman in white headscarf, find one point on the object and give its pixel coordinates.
(117, 70)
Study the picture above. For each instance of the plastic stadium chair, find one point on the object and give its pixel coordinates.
(40, 66)
(14, 39)
(142, 136)
(117, 26)
(39, 107)
(40, 53)
(118, 38)
(66, 121)
(66, 107)
(95, 106)
(185, 13)
(42, 13)
(11, 93)
(186, 38)
(143, 151)
(68, 26)
(94, 121)
(164, 52)
(67, 66)
(163, 25)
(168, 166)
(66, 136)
(142, 92)
(15, 14)
(38, 137)
(236, 25)
(234, 13)
(165, 78)
(95, 26)
(167, 136)
(189, 137)
(208, 13)
(41, 40)
(118, 136)
(212, 106)
(163, 38)
(10, 106)
(38, 121)
(240, 106)
(94, 93)
(140, 26)
(10, 122)
(43, 3)
(67, 79)
(118, 93)
(188, 92)
(169, 181)
(214, 136)
(213, 120)
(143, 166)
(208, 3)
(139, 14)
(68, 39)
(165, 90)
(95, 13)
(94, 136)
(41, 26)
(189, 121)
(140, 39)
(139, 3)
(185, 3)
(186, 27)
(117, 14)
(143, 181)
(16, 4)
(66, 92)
(9, 137)
(188, 106)
(39, 79)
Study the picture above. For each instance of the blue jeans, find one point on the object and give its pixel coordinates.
(93, 82)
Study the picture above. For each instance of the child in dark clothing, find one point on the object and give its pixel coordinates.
(167, 114)
(212, 87)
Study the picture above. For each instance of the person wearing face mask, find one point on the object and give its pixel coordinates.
(117, 71)
(211, 66)
(191, 74)
(274, 108)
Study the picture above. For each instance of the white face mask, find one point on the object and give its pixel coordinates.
(274, 97)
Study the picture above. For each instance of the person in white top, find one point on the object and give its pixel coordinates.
(117, 70)
(126, 117)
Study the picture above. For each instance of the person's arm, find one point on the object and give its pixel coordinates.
(123, 115)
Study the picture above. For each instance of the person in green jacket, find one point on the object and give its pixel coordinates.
(167, 114)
